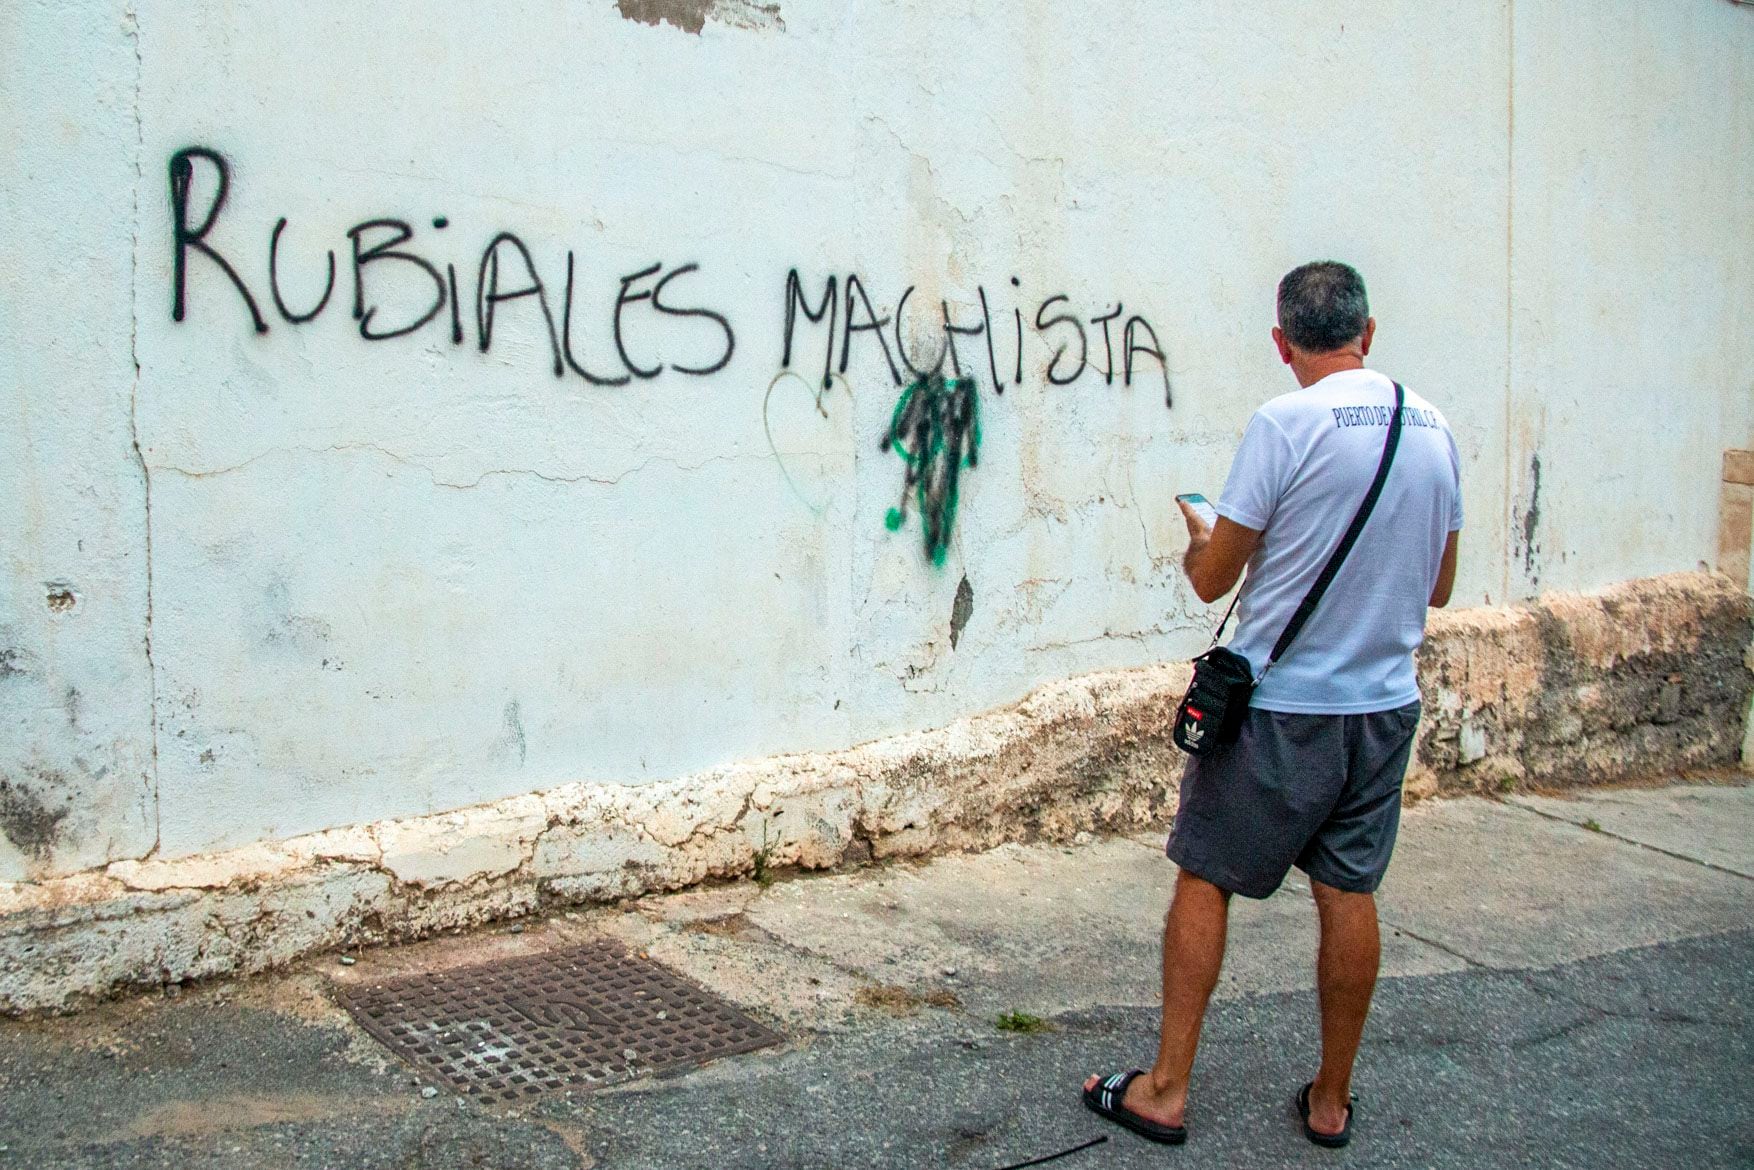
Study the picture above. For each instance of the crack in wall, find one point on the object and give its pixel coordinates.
(131, 25)
(1156, 631)
(466, 485)
(1157, 562)
(1509, 270)
(938, 187)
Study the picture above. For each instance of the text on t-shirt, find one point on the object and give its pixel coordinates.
(1378, 416)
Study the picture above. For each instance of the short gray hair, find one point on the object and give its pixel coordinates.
(1322, 306)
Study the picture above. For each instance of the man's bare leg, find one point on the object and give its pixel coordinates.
(1346, 969)
(1193, 951)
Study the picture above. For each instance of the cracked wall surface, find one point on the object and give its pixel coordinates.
(260, 585)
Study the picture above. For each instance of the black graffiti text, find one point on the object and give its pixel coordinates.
(838, 314)
(399, 287)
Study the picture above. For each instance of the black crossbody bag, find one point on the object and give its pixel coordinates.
(1211, 713)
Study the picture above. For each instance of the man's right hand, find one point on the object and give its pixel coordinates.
(1217, 556)
(1198, 532)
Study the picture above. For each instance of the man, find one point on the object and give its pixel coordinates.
(1314, 778)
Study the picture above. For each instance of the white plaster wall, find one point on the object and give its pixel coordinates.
(399, 576)
(76, 777)
(1632, 287)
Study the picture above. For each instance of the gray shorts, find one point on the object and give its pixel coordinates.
(1321, 792)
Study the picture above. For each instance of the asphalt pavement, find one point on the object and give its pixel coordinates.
(1567, 982)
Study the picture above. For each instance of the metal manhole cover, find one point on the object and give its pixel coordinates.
(585, 1016)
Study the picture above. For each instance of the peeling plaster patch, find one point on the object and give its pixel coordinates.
(60, 597)
(462, 847)
(750, 15)
(245, 866)
(26, 819)
(691, 15)
(961, 610)
(687, 15)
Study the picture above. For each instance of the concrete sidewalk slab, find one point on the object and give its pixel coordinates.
(1047, 928)
(1518, 988)
(1504, 886)
(1707, 823)
(1031, 927)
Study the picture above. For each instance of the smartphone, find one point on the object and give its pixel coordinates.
(1201, 506)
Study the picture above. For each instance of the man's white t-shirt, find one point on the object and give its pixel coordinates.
(1305, 464)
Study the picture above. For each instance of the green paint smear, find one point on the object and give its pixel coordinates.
(940, 395)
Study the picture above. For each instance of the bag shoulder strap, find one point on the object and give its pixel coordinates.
(1326, 578)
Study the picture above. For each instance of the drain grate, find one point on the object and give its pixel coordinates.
(585, 1016)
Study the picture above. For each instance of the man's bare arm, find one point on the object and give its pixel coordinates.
(1446, 574)
(1217, 556)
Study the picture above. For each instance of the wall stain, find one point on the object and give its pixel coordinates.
(514, 730)
(26, 819)
(289, 628)
(12, 661)
(1527, 519)
(961, 610)
(691, 15)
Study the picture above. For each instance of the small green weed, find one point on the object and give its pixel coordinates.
(1022, 1022)
(1507, 784)
(764, 875)
(1593, 825)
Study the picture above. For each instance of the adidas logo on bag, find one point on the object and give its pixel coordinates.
(1192, 731)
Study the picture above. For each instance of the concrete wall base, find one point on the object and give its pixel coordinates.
(1642, 678)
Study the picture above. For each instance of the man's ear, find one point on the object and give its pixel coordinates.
(1369, 332)
(1283, 345)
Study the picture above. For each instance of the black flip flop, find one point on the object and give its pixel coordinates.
(1332, 1141)
(1105, 1099)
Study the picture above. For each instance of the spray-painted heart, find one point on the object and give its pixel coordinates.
(797, 404)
